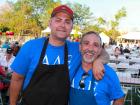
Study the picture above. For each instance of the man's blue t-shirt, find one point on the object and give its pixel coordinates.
(105, 90)
(27, 59)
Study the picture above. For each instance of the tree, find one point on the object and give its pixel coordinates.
(28, 15)
(113, 24)
(120, 14)
(41, 9)
(82, 15)
(19, 19)
(112, 33)
(101, 21)
(34, 15)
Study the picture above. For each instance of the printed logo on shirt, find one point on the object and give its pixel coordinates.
(57, 60)
(94, 89)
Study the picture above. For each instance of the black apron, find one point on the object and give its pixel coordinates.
(49, 84)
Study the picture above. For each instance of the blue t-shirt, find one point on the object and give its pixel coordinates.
(105, 90)
(27, 59)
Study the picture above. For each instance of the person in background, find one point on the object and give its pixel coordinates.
(126, 50)
(6, 44)
(16, 47)
(5, 74)
(7, 60)
(121, 48)
(85, 89)
(44, 67)
(117, 52)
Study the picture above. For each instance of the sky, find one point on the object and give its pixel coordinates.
(3, 1)
(108, 8)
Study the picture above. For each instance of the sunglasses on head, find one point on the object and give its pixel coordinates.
(82, 81)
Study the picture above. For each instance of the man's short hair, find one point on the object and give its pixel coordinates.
(91, 32)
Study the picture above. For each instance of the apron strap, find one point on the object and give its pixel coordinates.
(66, 54)
(44, 51)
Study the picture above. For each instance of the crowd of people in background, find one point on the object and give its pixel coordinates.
(8, 52)
(123, 48)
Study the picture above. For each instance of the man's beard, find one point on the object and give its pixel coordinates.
(88, 60)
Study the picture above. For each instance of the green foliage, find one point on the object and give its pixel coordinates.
(34, 15)
(82, 14)
(27, 15)
(112, 33)
(121, 13)
(92, 28)
(101, 21)
(114, 24)
(4, 29)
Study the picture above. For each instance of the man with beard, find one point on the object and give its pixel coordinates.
(85, 90)
(44, 67)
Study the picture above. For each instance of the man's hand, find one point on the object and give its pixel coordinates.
(119, 101)
(98, 69)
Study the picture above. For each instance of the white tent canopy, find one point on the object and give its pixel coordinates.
(104, 38)
(131, 36)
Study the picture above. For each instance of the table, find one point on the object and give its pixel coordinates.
(128, 83)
